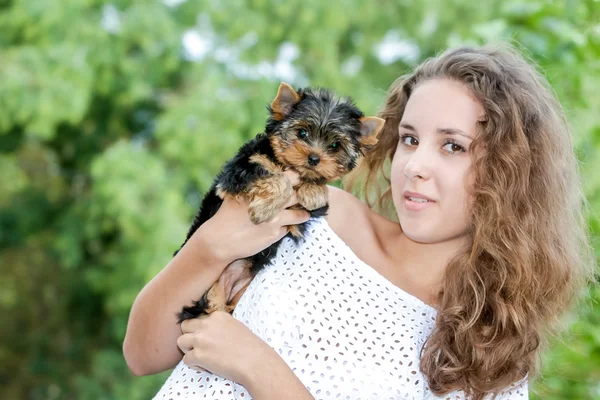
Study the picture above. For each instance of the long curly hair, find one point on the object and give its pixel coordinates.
(529, 256)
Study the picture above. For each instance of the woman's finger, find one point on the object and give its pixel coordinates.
(293, 217)
(190, 360)
(186, 342)
(190, 325)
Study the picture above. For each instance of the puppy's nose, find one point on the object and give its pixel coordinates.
(313, 159)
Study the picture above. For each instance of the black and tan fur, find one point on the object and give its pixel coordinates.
(312, 132)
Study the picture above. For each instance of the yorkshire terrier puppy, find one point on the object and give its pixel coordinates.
(312, 132)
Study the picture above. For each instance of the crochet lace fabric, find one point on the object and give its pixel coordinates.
(345, 330)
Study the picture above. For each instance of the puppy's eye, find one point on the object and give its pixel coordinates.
(302, 134)
(335, 145)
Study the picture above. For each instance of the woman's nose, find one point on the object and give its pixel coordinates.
(416, 167)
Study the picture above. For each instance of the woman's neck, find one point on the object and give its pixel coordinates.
(421, 265)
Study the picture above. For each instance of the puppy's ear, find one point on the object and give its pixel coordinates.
(369, 129)
(283, 103)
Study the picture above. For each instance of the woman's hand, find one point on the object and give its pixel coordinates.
(232, 225)
(223, 346)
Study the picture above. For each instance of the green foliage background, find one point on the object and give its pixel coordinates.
(111, 129)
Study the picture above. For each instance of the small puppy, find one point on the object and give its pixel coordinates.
(312, 132)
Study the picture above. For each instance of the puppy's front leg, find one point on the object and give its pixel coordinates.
(268, 196)
(312, 196)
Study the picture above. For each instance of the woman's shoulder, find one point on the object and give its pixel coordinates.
(345, 210)
(350, 218)
(361, 228)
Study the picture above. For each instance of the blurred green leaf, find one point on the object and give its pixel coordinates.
(116, 115)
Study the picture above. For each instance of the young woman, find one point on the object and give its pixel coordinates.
(450, 290)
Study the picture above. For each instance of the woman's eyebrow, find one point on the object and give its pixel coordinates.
(407, 126)
(443, 131)
(453, 131)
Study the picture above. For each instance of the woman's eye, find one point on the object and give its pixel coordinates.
(302, 134)
(450, 147)
(409, 140)
(335, 145)
(454, 147)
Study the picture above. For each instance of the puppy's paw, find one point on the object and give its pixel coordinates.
(312, 196)
(268, 197)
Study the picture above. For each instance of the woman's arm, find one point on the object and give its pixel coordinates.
(150, 344)
(274, 380)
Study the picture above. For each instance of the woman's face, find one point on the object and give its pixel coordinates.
(432, 161)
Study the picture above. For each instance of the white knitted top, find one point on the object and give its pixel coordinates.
(345, 330)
